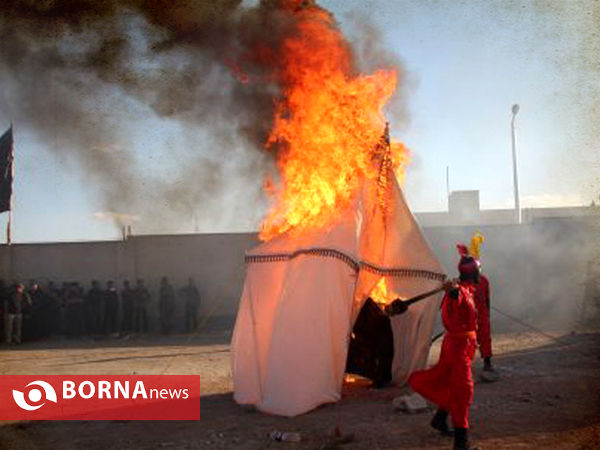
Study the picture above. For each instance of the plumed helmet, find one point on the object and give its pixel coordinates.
(467, 266)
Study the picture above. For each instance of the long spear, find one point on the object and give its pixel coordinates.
(399, 306)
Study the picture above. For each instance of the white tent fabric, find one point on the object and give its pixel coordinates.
(303, 292)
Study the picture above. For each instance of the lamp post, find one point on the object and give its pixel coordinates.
(515, 110)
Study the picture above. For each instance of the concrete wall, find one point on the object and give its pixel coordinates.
(214, 260)
(536, 269)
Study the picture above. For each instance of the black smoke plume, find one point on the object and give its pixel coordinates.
(72, 72)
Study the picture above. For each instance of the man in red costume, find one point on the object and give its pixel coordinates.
(484, 338)
(449, 384)
(482, 303)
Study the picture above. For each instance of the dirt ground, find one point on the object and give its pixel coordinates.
(548, 398)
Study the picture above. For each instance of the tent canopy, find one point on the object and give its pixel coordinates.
(303, 292)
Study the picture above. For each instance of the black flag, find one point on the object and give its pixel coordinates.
(6, 173)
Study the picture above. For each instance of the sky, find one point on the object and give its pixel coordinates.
(465, 63)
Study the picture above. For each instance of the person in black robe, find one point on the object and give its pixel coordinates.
(371, 348)
(76, 312)
(191, 297)
(166, 305)
(127, 307)
(140, 312)
(111, 308)
(54, 305)
(94, 309)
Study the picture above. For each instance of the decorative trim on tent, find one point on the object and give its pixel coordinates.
(354, 265)
(326, 252)
(402, 272)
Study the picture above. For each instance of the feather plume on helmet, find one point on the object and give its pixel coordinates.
(476, 245)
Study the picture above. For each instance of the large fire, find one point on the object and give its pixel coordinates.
(381, 294)
(328, 122)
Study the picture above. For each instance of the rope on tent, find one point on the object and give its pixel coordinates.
(525, 324)
(173, 357)
(437, 336)
(537, 330)
(210, 314)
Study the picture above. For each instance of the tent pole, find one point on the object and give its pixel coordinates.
(8, 223)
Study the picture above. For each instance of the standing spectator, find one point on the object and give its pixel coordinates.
(34, 317)
(191, 297)
(166, 305)
(76, 320)
(13, 311)
(94, 309)
(111, 308)
(54, 307)
(127, 307)
(142, 299)
(63, 297)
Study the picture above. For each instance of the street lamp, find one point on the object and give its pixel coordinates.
(515, 110)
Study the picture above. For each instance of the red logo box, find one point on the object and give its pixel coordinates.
(99, 397)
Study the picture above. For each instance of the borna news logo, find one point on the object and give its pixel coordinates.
(100, 397)
(35, 396)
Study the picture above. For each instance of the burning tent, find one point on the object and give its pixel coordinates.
(303, 292)
(340, 232)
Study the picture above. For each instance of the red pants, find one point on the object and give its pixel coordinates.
(449, 384)
(482, 303)
(484, 338)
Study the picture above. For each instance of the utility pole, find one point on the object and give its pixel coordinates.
(515, 110)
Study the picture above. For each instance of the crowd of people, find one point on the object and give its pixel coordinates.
(35, 312)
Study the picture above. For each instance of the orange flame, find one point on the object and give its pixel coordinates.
(327, 126)
(381, 295)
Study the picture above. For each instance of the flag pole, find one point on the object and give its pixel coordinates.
(9, 274)
(9, 248)
(8, 228)
(12, 176)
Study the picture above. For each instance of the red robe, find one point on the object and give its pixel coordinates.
(449, 384)
(482, 303)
